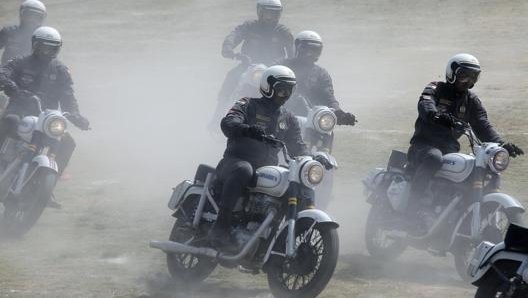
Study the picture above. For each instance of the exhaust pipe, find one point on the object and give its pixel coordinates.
(175, 247)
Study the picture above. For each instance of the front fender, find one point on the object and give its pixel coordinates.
(43, 161)
(506, 201)
(319, 216)
(482, 272)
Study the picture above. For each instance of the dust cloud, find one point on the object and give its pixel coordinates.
(147, 73)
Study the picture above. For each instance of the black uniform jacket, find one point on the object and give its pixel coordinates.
(52, 82)
(16, 41)
(313, 82)
(442, 97)
(277, 121)
(263, 44)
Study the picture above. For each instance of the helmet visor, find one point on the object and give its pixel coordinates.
(32, 16)
(269, 14)
(467, 75)
(47, 50)
(309, 49)
(284, 89)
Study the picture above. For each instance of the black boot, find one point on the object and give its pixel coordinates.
(219, 237)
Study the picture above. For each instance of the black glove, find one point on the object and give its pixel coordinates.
(256, 132)
(324, 161)
(11, 89)
(513, 150)
(344, 118)
(80, 121)
(444, 119)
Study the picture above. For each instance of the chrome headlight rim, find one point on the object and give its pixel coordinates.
(499, 160)
(325, 121)
(55, 126)
(312, 173)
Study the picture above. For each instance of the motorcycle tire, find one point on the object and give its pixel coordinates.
(313, 266)
(378, 245)
(21, 214)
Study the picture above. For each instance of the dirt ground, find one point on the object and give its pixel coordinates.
(146, 75)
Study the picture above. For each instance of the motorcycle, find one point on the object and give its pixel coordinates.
(317, 129)
(28, 170)
(275, 230)
(461, 207)
(501, 270)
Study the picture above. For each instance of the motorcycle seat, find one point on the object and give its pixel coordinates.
(201, 173)
(516, 238)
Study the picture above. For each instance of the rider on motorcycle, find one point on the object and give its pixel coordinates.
(263, 41)
(440, 104)
(16, 40)
(41, 74)
(313, 81)
(245, 126)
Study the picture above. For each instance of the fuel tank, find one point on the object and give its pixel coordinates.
(456, 167)
(271, 180)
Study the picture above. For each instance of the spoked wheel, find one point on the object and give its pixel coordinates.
(187, 267)
(308, 273)
(21, 213)
(379, 244)
(494, 224)
(494, 286)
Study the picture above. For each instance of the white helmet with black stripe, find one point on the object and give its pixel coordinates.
(462, 67)
(46, 42)
(32, 13)
(269, 11)
(277, 80)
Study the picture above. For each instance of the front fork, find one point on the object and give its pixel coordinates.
(22, 173)
(290, 239)
(478, 184)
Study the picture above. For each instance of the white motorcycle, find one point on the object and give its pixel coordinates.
(501, 270)
(462, 205)
(28, 171)
(274, 230)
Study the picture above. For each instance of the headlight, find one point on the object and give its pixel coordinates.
(55, 127)
(315, 174)
(500, 161)
(327, 122)
(324, 121)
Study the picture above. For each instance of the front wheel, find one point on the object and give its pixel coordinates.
(494, 224)
(308, 273)
(21, 213)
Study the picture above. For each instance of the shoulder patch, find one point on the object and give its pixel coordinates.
(243, 101)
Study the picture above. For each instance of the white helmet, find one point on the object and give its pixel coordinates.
(462, 65)
(269, 11)
(277, 77)
(46, 42)
(308, 44)
(33, 9)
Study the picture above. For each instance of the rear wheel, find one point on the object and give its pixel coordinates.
(187, 267)
(379, 244)
(21, 213)
(308, 273)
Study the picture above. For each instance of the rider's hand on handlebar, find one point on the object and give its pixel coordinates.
(344, 118)
(444, 119)
(80, 121)
(512, 149)
(324, 161)
(256, 132)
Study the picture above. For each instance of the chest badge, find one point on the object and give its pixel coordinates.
(283, 125)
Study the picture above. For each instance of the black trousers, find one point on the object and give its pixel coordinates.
(427, 160)
(235, 175)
